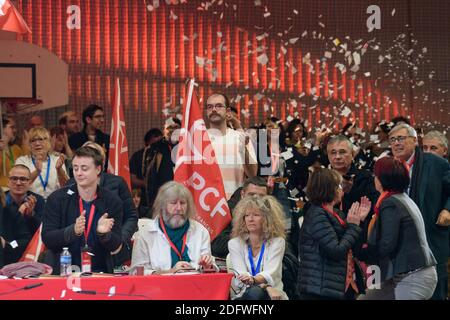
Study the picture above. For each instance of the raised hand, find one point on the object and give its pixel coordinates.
(105, 224)
(353, 214)
(80, 223)
(364, 208)
(60, 161)
(28, 206)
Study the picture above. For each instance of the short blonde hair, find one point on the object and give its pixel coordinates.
(42, 133)
(173, 190)
(271, 210)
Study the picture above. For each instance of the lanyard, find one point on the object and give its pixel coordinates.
(334, 214)
(174, 247)
(250, 257)
(91, 217)
(44, 184)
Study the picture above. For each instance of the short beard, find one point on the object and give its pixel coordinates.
(173, 222)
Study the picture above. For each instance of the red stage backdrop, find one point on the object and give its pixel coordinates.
(284, 58)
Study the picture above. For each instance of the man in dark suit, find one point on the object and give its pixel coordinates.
(430, 190)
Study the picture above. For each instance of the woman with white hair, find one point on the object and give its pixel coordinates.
(48, 172)
(173, 241)
(257, 248)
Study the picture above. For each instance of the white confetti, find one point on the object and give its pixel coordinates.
(293, 40)
(346, 112)
(267, 14)
(200, 61)
(304, 34)
(393, 12)
(262, 59)
(328, 54)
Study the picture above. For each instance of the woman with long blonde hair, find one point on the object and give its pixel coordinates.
(257, 248)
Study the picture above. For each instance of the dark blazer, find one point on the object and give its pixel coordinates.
(323, 248)
(430, 190)
(78, 139)
(61, 211)
(12, 228)
(394, 242)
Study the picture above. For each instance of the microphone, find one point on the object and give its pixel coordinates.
(94, 292)
(27, 287)
(32, 286)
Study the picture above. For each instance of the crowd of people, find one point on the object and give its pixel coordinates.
(313, 211)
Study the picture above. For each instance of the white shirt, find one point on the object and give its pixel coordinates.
(152, 249)
(53, 183)
(229, 150)
(271, 264)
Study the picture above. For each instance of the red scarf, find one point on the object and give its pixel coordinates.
(384, 195)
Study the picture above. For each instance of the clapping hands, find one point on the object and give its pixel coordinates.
(359, 211)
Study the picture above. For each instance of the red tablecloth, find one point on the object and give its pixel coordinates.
(156, 287)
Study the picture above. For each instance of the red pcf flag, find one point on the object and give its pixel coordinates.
(35, 247)
(118, 163)
(197, 168)
(11, 19)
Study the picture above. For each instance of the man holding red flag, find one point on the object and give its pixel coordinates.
(11, 19)
(197, 168)
(234, 153)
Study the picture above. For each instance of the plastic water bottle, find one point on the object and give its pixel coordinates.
(66, 263)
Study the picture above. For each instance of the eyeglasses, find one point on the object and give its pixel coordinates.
(218, 106)
(21, 179)
(37, 140)
(400, 139)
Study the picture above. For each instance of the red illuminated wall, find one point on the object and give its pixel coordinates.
(149, 53)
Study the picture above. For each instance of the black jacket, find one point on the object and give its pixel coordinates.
(394, 242)
(78, 139)
(119, 187)
(430, 190)
(158, 168)
(323, 248)
(12, 228)
(61, 211)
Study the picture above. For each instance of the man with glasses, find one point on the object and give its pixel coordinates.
(20, 199)
(14, 234)
(234, 153)
(430, 190)
(93, 120)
